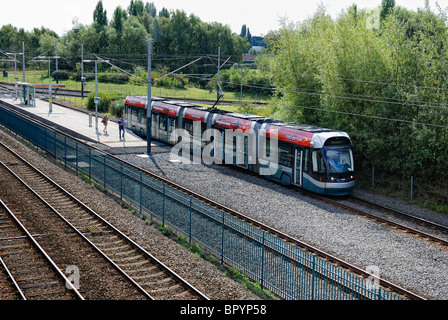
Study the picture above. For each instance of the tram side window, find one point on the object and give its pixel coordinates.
(307, 157)
(268, 146)
(134, 116)
(318, 162)
(163, 123)
(171, 126)
(188, 125)
(285, 154)
(141, 116)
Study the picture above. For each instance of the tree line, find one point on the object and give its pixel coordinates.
(176, 39)
(379, 75)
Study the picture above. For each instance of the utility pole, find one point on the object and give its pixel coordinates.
(148, 105)
(82, 71)
(50, 89)
(56, 54)
(97, 100)
(16, 79)
(219, 67)
(23, 61)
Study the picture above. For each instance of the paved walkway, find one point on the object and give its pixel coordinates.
(79, 122)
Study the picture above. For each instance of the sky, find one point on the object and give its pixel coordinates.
(259, 16)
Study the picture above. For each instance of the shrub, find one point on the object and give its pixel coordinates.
(106, 99)
(62, 75)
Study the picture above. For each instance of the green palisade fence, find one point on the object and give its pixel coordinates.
(287, 270)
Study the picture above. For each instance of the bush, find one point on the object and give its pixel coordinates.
(62, 75)
(106, 100)
(113, 77)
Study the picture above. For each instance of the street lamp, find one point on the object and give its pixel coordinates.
(15, 68)
(50, 90)
(97, 100)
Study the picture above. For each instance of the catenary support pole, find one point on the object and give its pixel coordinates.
(82, 71)
(148, 105)
(23, 57)
(56, 55)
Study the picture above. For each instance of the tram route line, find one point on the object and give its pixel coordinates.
(122, 252)
(33, 274)
(391, 224)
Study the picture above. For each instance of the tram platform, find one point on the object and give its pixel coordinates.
(82, 125)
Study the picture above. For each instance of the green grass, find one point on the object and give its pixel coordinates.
(192, 92)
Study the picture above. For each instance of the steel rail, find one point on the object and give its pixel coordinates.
(136, 246)
(239, 215)
(408, 216)
(42, 251)
(383, 220)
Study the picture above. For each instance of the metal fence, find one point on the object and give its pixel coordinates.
(287, 270)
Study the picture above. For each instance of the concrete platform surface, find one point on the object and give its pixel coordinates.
(79, 122)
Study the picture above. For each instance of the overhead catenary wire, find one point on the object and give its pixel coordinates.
(372, 99)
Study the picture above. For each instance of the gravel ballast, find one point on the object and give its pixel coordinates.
(411, 263)
(416, 265)
(198, 272)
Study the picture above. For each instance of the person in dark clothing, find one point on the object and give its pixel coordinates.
(121, 127)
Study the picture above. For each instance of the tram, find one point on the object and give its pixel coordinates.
(316, 159)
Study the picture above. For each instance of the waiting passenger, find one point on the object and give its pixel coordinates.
(121, 127)
(105, 121)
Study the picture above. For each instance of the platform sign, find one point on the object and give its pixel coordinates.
(45, 85)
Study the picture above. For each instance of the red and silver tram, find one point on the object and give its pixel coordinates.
(315, 159)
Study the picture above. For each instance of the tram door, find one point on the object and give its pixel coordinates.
(242, 152)
(172, 130)
(163, 127)
(298, 167)
(155, 126)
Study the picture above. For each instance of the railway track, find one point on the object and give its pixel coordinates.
(44, 92)
(76, 93)
(151, 277)
(434, 233)
(354, 269)
(31, 271)
(335, 260)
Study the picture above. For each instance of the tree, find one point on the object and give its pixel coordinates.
(100, 16)
(386, 7)
(243, 31)
(151, 9)
(118, 19)
(134, 38)
(136, 8)
(249, 36)
(164, 13)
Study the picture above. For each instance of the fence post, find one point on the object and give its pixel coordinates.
(76, 157)
(55, 146)
(163, 207)
(312, 278)
(65, 151)
(104, 172)
(191, 202)
(222, 238)
(90, 165)
(373, 177)
(262, 262)
(121, 181)
(412, 186)
(141, 192)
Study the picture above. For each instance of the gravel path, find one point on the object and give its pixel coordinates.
(416, 265)
(201, 274)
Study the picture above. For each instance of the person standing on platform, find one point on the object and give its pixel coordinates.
(121, 127)
(105, 121)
